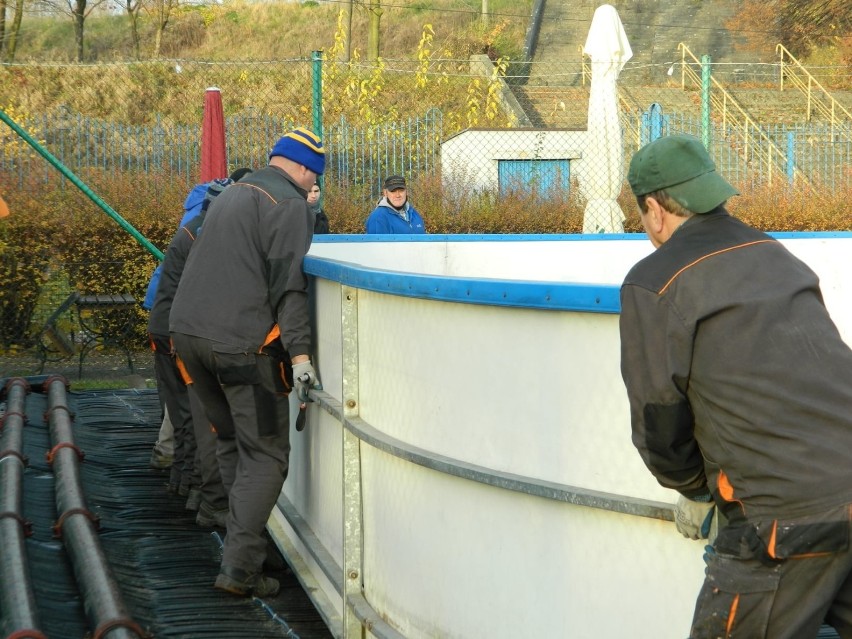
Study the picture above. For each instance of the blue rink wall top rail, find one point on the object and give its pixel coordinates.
(565, 296)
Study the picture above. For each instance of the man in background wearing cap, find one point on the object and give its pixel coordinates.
(240, 324)
(740, 391)
(394, 213)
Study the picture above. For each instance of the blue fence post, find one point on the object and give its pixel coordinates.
(652, 123)
(791, 156)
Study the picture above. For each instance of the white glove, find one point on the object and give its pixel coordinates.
(305, 378)
(693, 518)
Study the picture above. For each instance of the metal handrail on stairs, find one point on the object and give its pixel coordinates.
(751, 135)
(819, 99)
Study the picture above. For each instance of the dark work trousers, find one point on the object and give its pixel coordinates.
(251, 416)
(795, 575)
(172, 390)
(213, 492)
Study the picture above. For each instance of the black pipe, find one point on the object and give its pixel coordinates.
(77, 527)
(17, 600)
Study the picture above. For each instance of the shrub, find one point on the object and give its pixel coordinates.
(62, 241)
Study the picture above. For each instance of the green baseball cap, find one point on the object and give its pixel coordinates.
(680, 165)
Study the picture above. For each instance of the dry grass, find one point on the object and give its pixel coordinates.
(238, 30)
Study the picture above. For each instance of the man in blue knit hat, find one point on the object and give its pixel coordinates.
(240, 325)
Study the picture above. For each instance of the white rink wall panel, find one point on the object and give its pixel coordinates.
(559, 258)
(495, 491)
(314, 480)
(458, 380)
(447, 557)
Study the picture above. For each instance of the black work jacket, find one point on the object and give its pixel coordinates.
(244, 273)
(738, 380)
(172, 268)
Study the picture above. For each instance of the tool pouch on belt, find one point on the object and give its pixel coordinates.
(778, 539)
(263, 374)
(282, 377)
(812, 536)
(276, 381)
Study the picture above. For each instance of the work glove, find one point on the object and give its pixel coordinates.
(693, 518)
(305, 378)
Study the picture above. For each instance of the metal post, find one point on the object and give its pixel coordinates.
(352, 530)
(705, 101)
(808, 117)
(316, 100)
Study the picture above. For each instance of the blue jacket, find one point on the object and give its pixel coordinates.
(386, 219)
(191, 208)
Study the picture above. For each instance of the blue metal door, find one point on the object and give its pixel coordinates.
(541, 177)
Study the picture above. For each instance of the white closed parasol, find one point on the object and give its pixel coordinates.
(609, 50)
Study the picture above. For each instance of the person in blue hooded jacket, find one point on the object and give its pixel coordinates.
(191, 208)
(394, 213)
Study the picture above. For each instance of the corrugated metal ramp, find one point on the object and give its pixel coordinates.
(163, 563)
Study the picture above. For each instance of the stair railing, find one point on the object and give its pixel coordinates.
(749, 138)
(819, 100)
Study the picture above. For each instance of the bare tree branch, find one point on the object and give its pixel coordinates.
(160, 12)
(78, 11)
(132, 9)
(11, 36)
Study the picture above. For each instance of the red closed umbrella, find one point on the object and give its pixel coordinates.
(214, 164)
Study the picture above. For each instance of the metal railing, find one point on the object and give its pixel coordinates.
(819, 100)
(740, 130)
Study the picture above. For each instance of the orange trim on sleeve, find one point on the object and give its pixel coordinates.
(256, 187)
(701, 259)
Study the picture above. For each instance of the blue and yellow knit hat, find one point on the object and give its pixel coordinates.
(303, 147)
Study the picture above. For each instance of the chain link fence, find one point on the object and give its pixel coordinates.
(465, 128)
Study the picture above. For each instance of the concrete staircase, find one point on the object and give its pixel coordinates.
(654, 30)
(554, 95)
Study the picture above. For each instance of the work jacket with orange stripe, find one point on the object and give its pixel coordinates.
(244, 272)
(738, 380)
